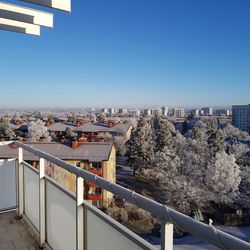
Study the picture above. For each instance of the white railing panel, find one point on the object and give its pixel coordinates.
(31, 196)
(102, 236)
(8, 184)
(60, 219)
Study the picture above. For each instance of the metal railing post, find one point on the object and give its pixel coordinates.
(167, 236)
(42, 220)
(20, 183)
(80, 220)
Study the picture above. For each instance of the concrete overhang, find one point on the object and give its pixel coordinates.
(21, 27)
(64, 5)
(26, 15)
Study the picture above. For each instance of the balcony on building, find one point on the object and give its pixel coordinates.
(43, 213)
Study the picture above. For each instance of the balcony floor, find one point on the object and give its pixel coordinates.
(14, 235)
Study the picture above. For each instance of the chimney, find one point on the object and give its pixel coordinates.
(74, 144)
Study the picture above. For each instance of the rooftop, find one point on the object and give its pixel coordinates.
(89, 151)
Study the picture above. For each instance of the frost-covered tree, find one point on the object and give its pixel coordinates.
(6, 132)
(102, 117)
(164, 132)
(70, 134)
(133, 122)
(233, 133)
(244, 198)
(37, 131)
(216, 141)
(223, 178)
(239, 150)
(179, 191)
(92, 117)
(140, 146)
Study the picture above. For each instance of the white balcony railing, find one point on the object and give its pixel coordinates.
(63, 220)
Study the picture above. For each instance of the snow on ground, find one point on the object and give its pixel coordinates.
(193, 243)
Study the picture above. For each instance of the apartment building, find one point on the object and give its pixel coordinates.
(97, 158)
(207, 111)
(178, 112)
(164, 111)
(241, 117)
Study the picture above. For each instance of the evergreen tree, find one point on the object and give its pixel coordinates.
(140, 146)
(164, 133)
(216, 142)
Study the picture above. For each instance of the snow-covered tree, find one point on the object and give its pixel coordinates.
(238, 150)
(133, 122)
(216, 141)
(244, 198)
(6, 132)
(37, 131)
(70, 134)
(92, 117)
(233, 133)
(164, 132)
(179, 191)
(223, 178)
(140, 146)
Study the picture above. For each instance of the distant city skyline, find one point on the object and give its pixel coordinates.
(132, 54)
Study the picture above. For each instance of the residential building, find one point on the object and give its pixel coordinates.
(91, 131)
(178, 112)
(112, 111)
(97, 158)
(222, 112)
(195, 112)
(164, 111)
(147, 112)
(241, 117)
(135, 112)
(156, 112)
(105, 110)
(207, 111)
(123, 111)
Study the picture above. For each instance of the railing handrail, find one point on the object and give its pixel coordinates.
(185, 223)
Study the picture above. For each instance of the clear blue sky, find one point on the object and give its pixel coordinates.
(132, 53)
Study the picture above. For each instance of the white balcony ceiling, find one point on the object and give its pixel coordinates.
(17, 18)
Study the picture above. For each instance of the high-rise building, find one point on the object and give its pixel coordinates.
(123, 111)
(135, 112)
(156, 112)
(195, 112)
(147, 112)
(222, 112)
(207, 111)
(241, 117)
(164, 111)
(105, 110)
(179, 112)
(112, 111)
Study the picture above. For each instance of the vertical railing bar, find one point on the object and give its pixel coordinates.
(20, 183)
(42, 225)
(85, 227)
(167, 236)
(80, 240)
(17, 181)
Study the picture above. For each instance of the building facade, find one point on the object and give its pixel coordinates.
(207, 111)
(241, 117)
